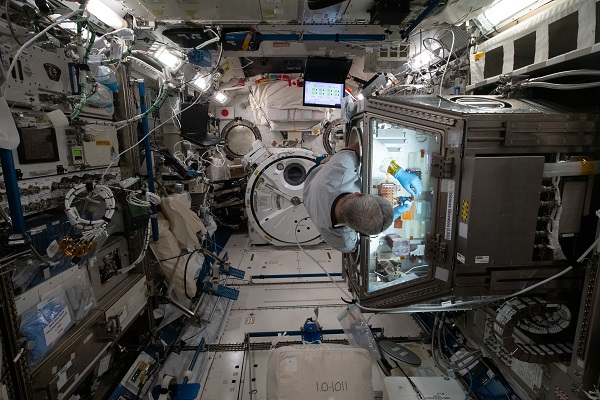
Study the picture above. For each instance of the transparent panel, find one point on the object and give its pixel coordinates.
(240, 139)
(397, 255)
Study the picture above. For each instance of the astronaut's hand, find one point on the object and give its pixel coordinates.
(403, 206)
(410, 182)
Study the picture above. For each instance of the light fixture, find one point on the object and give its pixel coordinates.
(168, 58)
(220, 97)
(106, 14)
(503, 12)
(202, 82)
(360, 96)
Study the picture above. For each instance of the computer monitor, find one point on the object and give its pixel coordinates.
(37, 146)
(323, 94)
(194, 124)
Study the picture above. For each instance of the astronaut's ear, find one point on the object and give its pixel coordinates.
(358, 194)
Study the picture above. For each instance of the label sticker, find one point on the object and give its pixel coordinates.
(52, 249)
(102, 142)
(482, 259)
(62, 375)
(461, 258)
(449, 185)
(57, 327)
(104, 365)
(463, 229)
(291, 365)
(442, 274)
(478, 56)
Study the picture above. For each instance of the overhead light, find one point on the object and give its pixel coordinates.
(504, 11)
(360, 96)
(106, 14)
(220, 97)
(202, 82)
(169, 59)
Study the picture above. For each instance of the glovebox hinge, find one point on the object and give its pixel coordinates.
(435, 249)
(442, 167)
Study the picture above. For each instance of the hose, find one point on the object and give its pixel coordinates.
(37, 36)
(560, 86)
(575, 72)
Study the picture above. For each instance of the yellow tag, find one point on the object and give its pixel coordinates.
(588, 167)
(478, 56)
(225, 67)
(102, 142)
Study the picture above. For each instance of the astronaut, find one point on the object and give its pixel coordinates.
(339, 210)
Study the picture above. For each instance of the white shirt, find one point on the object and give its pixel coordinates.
(323, 186)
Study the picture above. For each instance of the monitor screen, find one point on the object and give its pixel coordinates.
(37, 146)
(323, 94)
(194, 122)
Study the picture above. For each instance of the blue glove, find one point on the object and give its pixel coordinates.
(321, 158)
(403, 206)
(410, 182)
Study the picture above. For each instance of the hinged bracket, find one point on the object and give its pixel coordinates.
(435, 248)
(442, 167)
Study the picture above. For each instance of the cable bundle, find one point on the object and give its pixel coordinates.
(85, 224)
(152, 199)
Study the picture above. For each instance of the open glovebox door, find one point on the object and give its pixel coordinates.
(410, 260)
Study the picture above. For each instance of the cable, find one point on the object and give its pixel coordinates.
(470, 385)
(142, 253)
(575, 72)
(560, 86)
(145, 136)
(37, 36)
(85, 224)
(10, 25)
(185, 274)
(466, 305)
(447, 62)
(316, 262)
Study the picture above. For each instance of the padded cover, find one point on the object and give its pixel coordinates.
(173, 267)
(319, 372)
(184, 222)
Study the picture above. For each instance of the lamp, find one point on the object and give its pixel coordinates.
(220, 97)
(202, 82)
(106, 14)
(168, 58)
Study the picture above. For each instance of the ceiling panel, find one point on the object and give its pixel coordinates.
(279, 10)
(328, 15)
(357, 12)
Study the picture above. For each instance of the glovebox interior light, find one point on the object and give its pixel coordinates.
(168, 58)
(504, 11)
(220, 97)
(106, 14)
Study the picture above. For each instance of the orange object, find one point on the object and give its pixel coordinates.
(410, 214)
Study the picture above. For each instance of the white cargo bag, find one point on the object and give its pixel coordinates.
(319, 372)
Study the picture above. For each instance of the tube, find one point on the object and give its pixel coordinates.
(571, 168)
